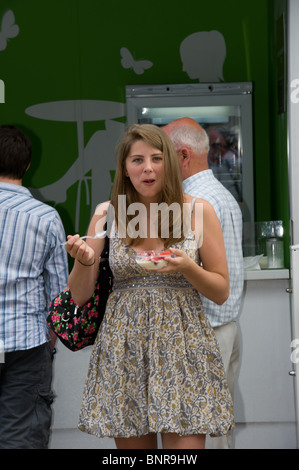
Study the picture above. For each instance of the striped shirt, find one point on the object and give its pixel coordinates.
(204, 185)
(33, 266)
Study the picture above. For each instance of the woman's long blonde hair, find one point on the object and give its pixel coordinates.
(172, 188)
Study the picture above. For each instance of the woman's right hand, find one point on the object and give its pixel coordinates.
(79, 250)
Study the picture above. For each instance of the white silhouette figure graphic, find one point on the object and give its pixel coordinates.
(8, 29)
(98, 156)
(203, 55)
(128, 62)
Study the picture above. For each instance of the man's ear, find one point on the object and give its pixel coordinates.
(186, 154)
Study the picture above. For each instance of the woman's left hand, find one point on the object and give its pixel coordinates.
(178, 261)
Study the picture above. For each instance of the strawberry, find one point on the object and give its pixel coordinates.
(165, 253)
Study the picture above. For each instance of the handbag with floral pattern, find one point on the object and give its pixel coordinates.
(75, 326)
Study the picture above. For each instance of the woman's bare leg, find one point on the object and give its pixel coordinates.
(149, 441)
(174, 441)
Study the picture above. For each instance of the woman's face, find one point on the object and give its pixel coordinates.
(145, 168)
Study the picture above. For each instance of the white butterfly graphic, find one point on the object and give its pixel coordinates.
(8, 29)
(128, 62)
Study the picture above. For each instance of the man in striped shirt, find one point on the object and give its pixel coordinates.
(33, 270)
(192, 145)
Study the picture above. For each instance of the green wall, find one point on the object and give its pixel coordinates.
(70, 50)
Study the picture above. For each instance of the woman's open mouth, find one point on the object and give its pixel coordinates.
(148, 182)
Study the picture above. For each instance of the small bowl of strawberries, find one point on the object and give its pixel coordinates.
(151, 259)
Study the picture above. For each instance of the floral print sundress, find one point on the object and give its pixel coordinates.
(155, 365)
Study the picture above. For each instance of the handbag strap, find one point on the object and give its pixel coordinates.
(107, 227)
(109, 220)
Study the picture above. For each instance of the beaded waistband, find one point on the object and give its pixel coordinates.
(152, 281)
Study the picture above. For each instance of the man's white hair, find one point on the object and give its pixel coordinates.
(195, 139)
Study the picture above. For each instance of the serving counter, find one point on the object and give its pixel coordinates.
(264, 394)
